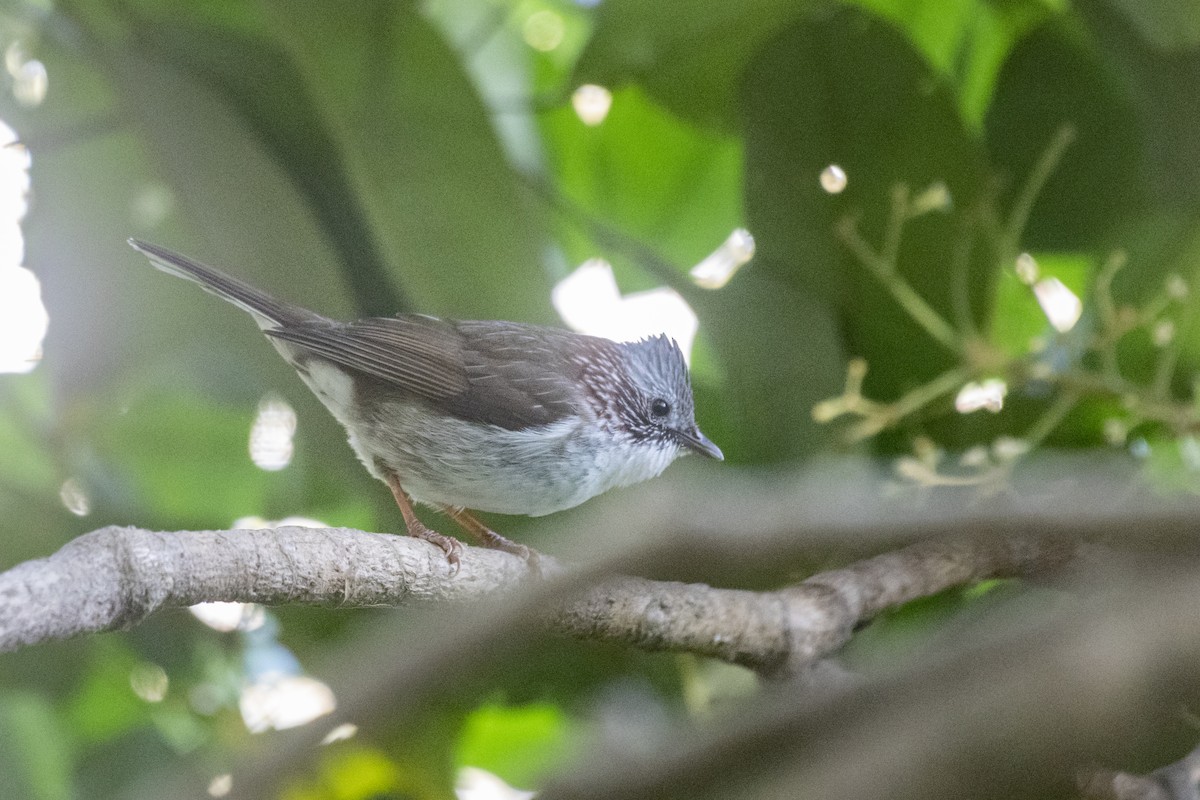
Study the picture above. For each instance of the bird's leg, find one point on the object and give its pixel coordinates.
(489, 538)
(451, 546)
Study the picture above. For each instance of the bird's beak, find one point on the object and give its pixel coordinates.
(698, 442)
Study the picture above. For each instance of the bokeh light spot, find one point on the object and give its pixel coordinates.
(278, 702)
(589, 302)
(833, 179)
(149, 682)
(23, 317)
(722, 264)
(988, 394)
(1059, 304)
(271, 434)
(591, 103)
(544, 30)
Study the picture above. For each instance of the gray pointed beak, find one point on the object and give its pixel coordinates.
(699, 443)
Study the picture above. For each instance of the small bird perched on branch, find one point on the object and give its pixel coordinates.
(490, 416)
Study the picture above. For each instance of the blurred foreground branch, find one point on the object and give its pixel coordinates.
(1012, 709)
(1177, 781)
(747, 523)
(115, 577)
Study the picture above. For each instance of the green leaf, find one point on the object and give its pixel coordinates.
(422, 152)
(1165, 24)
(388, 147)
(259, 82)
(359, 774)
(356, 771)
(1019, 320)
(36, 761)
(1164, 89)
(26, 466)
(105, 706)
(186, 459)
(849, 89)
(519, 744)
(33, 468)
(966, 41)
(689, 55)
(904, 629)
(654, 176)
(1173, 465)
(1051, 80)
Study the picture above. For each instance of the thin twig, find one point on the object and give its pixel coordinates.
(1034, 183)
(913, 304)
(909, 403)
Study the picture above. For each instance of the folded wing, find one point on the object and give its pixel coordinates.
(506, 374)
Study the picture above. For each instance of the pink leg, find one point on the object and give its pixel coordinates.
(451, 546)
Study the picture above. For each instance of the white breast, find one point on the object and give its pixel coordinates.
(446, 461)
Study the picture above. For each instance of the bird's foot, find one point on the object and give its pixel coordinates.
(495, 541)
(492, 540)
(450, 546)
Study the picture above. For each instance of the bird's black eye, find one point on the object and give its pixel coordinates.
(660, 407)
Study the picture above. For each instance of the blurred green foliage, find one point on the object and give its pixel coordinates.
(366, 157)
(520, 745)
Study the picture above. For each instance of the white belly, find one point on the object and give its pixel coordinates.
(487, 468)
(448, 462)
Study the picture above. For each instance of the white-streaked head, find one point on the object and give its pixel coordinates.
(654, 397)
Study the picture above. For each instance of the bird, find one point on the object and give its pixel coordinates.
(484, 415)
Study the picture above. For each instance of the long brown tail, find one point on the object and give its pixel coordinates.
(268, 311)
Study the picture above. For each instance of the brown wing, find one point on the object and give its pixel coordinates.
(520, 375)
(502, 373)
(420, 355)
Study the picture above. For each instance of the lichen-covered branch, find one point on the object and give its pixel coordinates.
(115, 577)
(789, 629)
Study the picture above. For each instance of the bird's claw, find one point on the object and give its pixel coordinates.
(449, 545)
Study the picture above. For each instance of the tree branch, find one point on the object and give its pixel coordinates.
(789, 629)
(1008, 710)
(1176, 781)
(115, 577)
